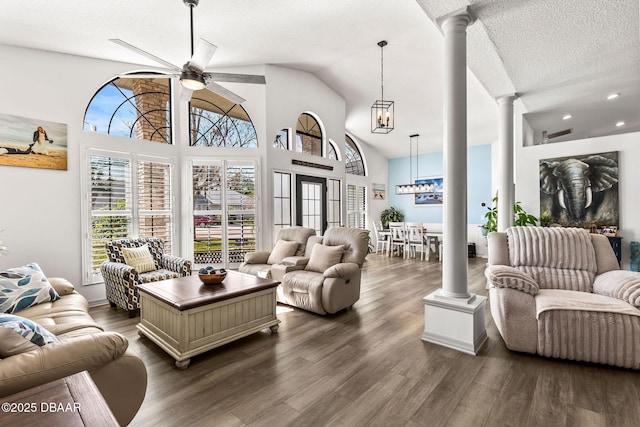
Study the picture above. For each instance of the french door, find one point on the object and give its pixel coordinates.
(311, 202)
(224, 211)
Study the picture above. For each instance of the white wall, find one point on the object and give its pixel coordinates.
(41, 208)
(528, 176)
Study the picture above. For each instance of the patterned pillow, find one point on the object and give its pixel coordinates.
(23, 287)
(139, 258)
(19, 335)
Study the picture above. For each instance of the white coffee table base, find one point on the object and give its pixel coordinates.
(186, 333)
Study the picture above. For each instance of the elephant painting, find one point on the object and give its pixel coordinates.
(580, 190)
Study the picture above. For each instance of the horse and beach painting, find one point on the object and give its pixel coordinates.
(32, 143)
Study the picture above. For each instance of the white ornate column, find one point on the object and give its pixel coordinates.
(453, 317)
(506, 196)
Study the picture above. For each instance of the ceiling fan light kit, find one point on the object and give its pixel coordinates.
(382, 117)
(192, 80)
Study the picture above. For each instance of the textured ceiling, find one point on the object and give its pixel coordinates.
(560, 55)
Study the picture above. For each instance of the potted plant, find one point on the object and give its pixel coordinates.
(390, 214)
(545, 219)
(520, 217)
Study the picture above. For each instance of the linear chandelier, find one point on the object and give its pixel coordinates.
(382, 111)
(413, 187)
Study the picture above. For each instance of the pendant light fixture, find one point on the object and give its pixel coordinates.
(412, 187)
(382, 111)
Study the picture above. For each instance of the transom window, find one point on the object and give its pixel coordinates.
(217, 122)
(281, 140)
(308, 135)
(138, 108)
(353, 159)
(332, 151)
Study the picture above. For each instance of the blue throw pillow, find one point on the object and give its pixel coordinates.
(19, 335)
(24, 287)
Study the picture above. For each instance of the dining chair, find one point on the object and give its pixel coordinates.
(398, 239)
(415, 239)
(382, 237)
(433, 242)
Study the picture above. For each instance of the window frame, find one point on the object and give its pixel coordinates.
(91, 277)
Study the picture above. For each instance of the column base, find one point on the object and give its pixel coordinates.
(457, 323)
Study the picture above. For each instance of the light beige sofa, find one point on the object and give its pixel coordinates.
(260, 263)
(119, 374)
(559, 292)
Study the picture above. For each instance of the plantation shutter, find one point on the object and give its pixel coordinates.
(155, 201)
(356, 206)
(111, 205)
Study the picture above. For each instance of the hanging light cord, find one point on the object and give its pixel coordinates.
(382, 71)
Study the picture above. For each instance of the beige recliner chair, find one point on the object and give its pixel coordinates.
(559, 292)
(291, 245)
(330, 280)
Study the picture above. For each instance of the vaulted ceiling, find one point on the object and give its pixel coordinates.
(561, 56)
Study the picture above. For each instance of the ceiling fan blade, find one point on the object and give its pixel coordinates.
(202, 55)
(237, 78)
(146, 76)
(185, 94)
(147, 54)
(226, 93)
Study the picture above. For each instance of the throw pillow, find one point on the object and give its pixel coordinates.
(139, 258)
(323, 257)
(281, 250)
(23, 287)
(19, 335)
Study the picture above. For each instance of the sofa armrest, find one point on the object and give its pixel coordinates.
(118, 269)
(344, 270)
(504, 276)
(620, 284)
(295, 261)
(54, 361)
(279, 270)
(179, 265)
(256, 257)
(62, 286)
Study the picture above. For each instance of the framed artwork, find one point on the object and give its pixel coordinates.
(580, 191)
(379, 191)
(434, 195)
(32, 143)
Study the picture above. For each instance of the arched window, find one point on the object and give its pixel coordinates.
(132, 107)
(353, 159)
(217, 122)
(332, 151)
(308, 135)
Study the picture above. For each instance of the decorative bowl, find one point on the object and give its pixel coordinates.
(213, 278)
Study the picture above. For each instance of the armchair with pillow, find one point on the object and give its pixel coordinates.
(292, 249)
(135, 261)
(330, 281)
(46, 333)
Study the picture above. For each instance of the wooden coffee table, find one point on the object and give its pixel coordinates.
(186, 318)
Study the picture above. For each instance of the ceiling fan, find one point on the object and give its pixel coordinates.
(192, 74)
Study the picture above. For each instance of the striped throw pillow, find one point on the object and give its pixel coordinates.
(139, 258)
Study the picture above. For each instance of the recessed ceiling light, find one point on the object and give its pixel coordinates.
(613, 96)
(566, 117)
(620, 124)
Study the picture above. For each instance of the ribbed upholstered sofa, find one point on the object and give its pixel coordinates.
(559, 292)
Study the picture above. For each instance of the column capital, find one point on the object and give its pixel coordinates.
(506, 99)
(462, 16)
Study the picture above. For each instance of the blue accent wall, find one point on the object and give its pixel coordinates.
(430, 164)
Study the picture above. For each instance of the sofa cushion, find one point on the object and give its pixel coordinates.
(156, 275)
(323, 257)
(281, 250)
(24, 287)
(18, 335)
(557, 299)
(139, 258)
(259, 270)
(621, 284)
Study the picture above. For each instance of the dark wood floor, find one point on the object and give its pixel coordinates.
(369, 367)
